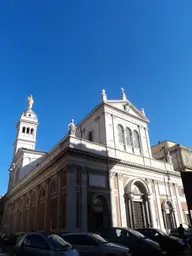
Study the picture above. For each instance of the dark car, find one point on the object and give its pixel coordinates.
(138, 243)
(13, 239)
(3, 253)
(88, 244)
(43, 244)
(187, 233)
(167, 243)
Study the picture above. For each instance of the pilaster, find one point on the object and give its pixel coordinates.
(84, 215)
(47, 203)
(112, 197)
(179, 204)
(122, 201)
(59, 200)
(71, 199)
(174, 206)
(161, 223)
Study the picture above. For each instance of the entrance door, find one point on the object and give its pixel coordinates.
(98, 220)
(138, 215)
(99, 214)
(170, 221)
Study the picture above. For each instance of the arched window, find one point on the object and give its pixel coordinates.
(42, 193)
(90, 136)
(136, 141)
(53, 187)
(33, 197)
(28, 130)
(23, 130)
(26, 200)
(32, 131)
(128, 137)
(120, 134)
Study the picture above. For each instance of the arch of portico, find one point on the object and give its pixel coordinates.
(168, 213)
(137, 204)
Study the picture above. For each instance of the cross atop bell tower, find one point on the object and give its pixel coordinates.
(26, 128)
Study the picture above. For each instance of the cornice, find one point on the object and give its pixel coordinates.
(52, 167)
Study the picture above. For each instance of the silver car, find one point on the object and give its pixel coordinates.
(43, 244)
(88, 244)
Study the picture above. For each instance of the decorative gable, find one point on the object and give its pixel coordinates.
(128, 107)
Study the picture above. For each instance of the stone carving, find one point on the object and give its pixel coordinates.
(112, 174)
(103, 95)
(123, 95)
(72, 128)
(30, 102)
(143, 111)
(120, 176)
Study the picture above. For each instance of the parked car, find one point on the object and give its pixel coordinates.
(88, 244)
(187, 233)
(42, 244)
(13, 239)
(3, 253)
(138, 243)
(167, 243)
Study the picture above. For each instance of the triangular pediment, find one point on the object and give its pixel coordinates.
(128, 107)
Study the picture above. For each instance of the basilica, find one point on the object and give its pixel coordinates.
(100, 174)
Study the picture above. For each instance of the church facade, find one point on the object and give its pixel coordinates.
(101, 173)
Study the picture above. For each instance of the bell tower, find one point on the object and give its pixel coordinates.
(26, 128)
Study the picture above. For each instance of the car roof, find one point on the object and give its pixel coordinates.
(71, 234)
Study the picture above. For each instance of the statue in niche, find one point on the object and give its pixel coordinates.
(72, 128)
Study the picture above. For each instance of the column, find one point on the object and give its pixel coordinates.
(159, 207)
(179, 205)
(132, 212)
(59, 200)
(129, 198)
(151, 210)
(165, 219)
(112, 198)
(84, 212)
(71, 199)
(122, 201)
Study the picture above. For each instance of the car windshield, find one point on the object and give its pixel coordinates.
(161, 232)
(57, 242)
(136, 233)
(99, 238)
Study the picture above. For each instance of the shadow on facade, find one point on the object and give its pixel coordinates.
(38, 209)
(187, 181)
(99, 195)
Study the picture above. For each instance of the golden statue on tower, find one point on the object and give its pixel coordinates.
(30, 101)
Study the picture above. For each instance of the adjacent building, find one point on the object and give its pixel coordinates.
(182, 162)
(101, 173)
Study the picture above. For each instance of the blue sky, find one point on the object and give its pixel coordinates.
(65, 52)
